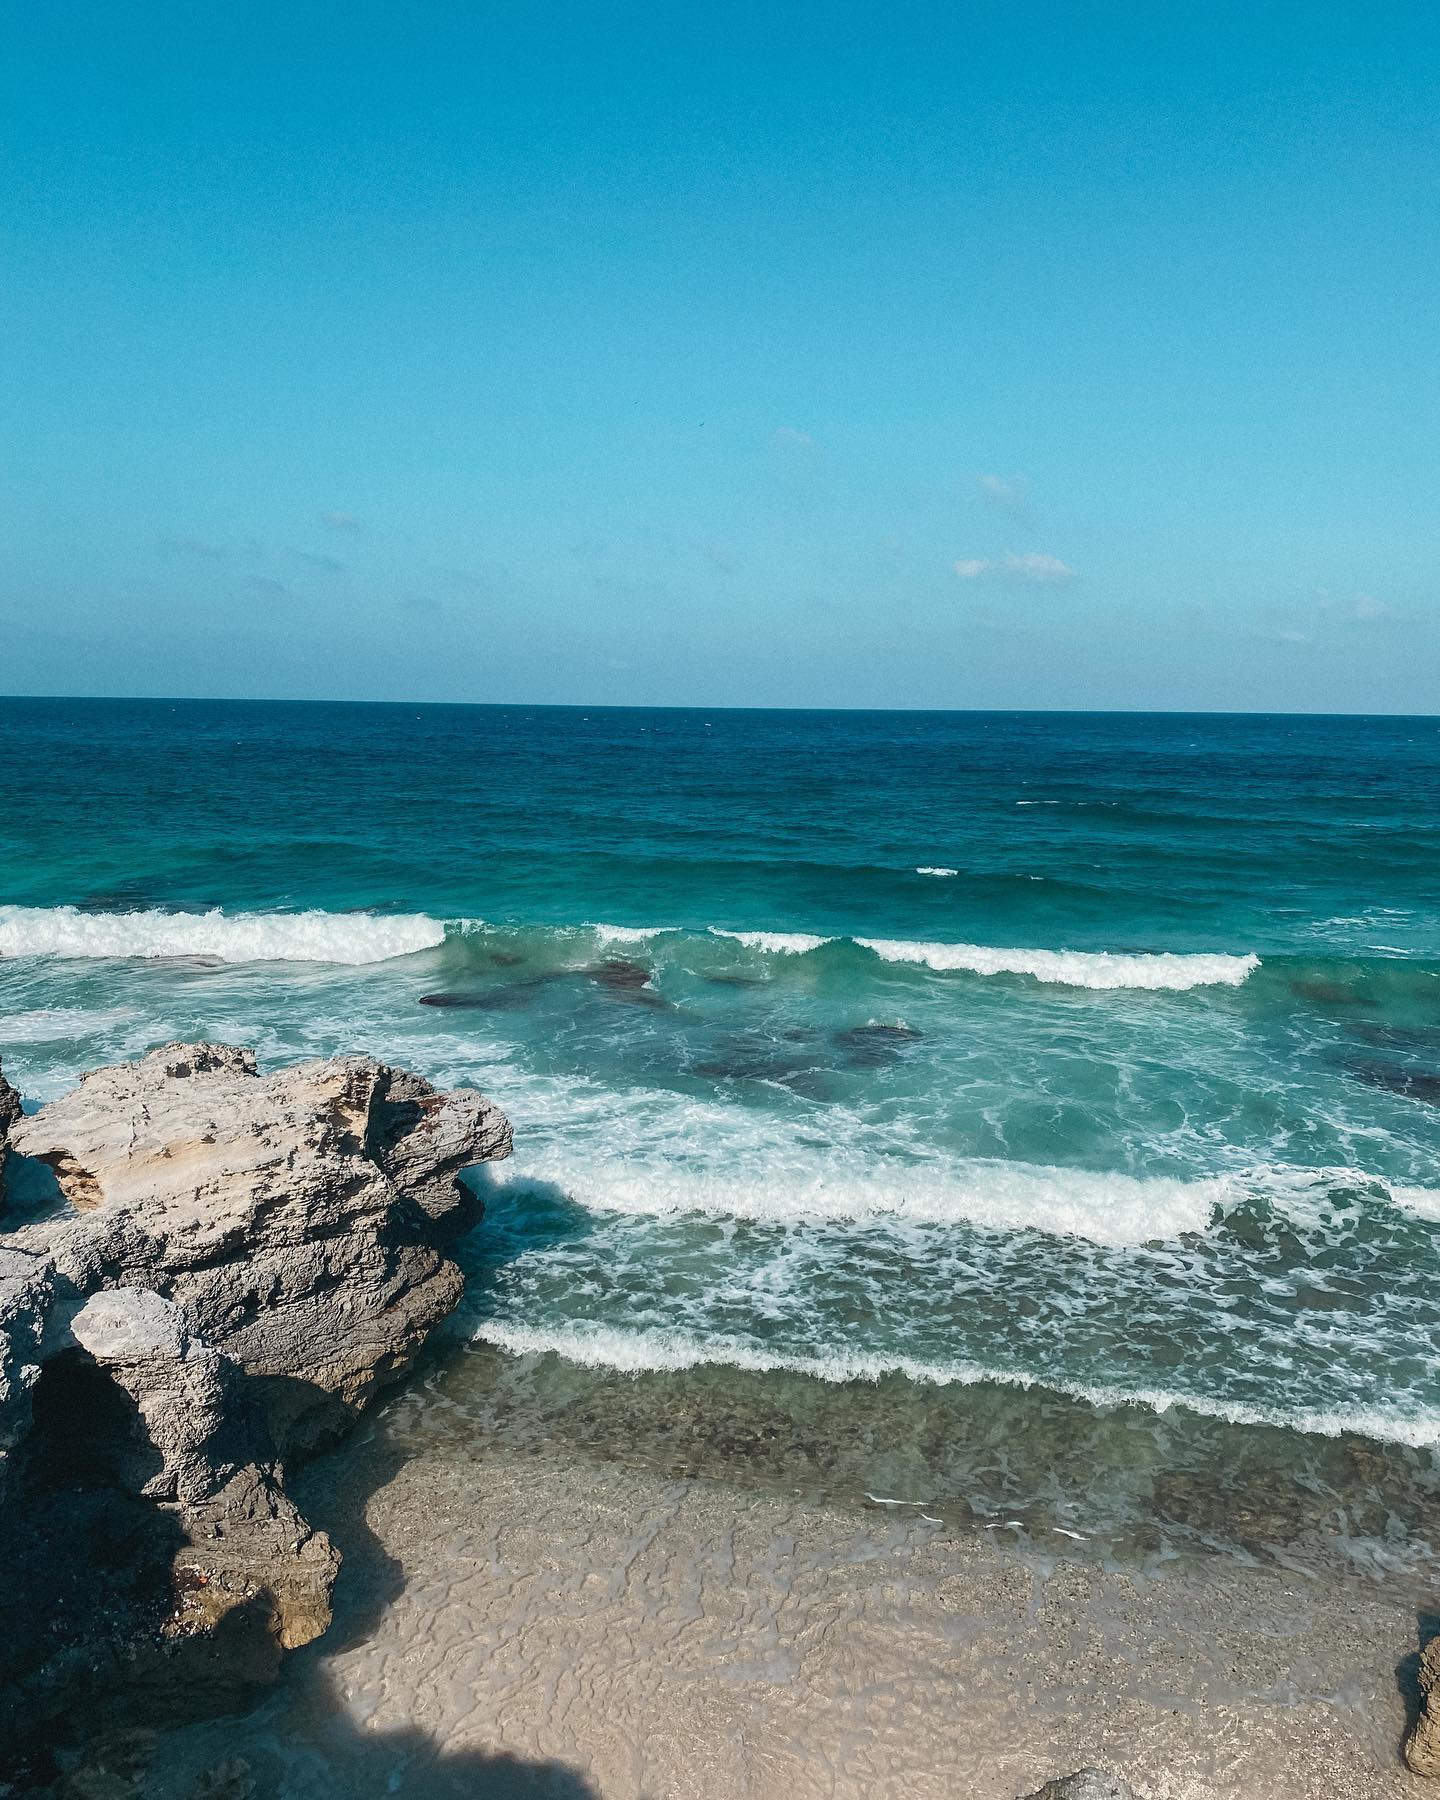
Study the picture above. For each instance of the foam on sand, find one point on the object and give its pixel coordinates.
(321, 937)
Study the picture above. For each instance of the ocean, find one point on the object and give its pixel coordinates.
(1028, 1116)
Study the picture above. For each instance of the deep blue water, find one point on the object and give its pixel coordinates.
(1099, 1052)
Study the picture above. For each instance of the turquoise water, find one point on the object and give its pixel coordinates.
(1097, 1056)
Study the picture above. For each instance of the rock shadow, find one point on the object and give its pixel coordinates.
(313, 1751)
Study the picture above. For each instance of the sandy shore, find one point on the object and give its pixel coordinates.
(517, 1624)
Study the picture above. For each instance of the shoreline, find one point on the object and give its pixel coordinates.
(577, 1628)
(597, 1585)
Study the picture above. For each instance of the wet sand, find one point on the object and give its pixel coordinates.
(519, 1622)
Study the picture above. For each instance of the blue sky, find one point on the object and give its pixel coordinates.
(917, 355)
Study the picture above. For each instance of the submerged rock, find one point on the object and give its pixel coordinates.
(620, 975)
(513, 996)
(228, 1266)
(872, 1046)
(1422, 1747)
(1413, 1084)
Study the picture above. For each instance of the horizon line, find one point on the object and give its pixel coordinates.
(1097, 712)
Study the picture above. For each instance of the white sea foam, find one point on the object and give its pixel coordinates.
(65, 931)
(643, 1352)
(937, 871)
(59, 1024)
(628, 934)
(1423, 1202)
(1113, 1210)
(775, 943)
(1068, 968)
(1073, 968)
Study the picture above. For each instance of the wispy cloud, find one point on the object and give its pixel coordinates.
(1004, 490)
(1358, 608)
(341, 521)
(788, 438)
(1033, 566)
(1330, 619)
(330, 564)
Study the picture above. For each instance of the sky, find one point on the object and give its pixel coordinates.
(963, 355)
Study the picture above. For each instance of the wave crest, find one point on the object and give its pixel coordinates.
(775, 943)
(65, 931)
(1108, 1209)
(645, 1352)
(1161, 969)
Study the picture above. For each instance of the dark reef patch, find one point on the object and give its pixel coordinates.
(1411, 1084)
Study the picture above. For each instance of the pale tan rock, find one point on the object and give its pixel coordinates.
(247, 1545)
(291, 1215)
(1422, 1747)
(224, 1269)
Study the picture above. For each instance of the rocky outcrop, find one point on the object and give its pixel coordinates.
(203, 1270)
(1087, 1784)
(1422, 1747)
(9, 1110)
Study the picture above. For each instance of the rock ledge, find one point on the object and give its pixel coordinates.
(202, 1271)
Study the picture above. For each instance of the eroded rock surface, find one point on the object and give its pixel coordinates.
(9, 1110)
(220, 1268)
(1422, 1747)
(1087, 1784)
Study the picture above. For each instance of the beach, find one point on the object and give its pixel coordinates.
(521, 1620)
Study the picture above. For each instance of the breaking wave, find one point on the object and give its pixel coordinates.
(65, 931)
(1074, 968)
(1067, 968)
(670, 1350)
(1108, 1209)
(775, 943)
(628, 934)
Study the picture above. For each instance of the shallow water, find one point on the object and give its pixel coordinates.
(1072, 1076)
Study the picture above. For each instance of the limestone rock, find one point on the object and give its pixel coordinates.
(27, 1292)
(1422, 1747)
(293, 1216)
(9, 1110)
(180, 1389)
(1087, 1784)
(218, 1269)
(245, 1540)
